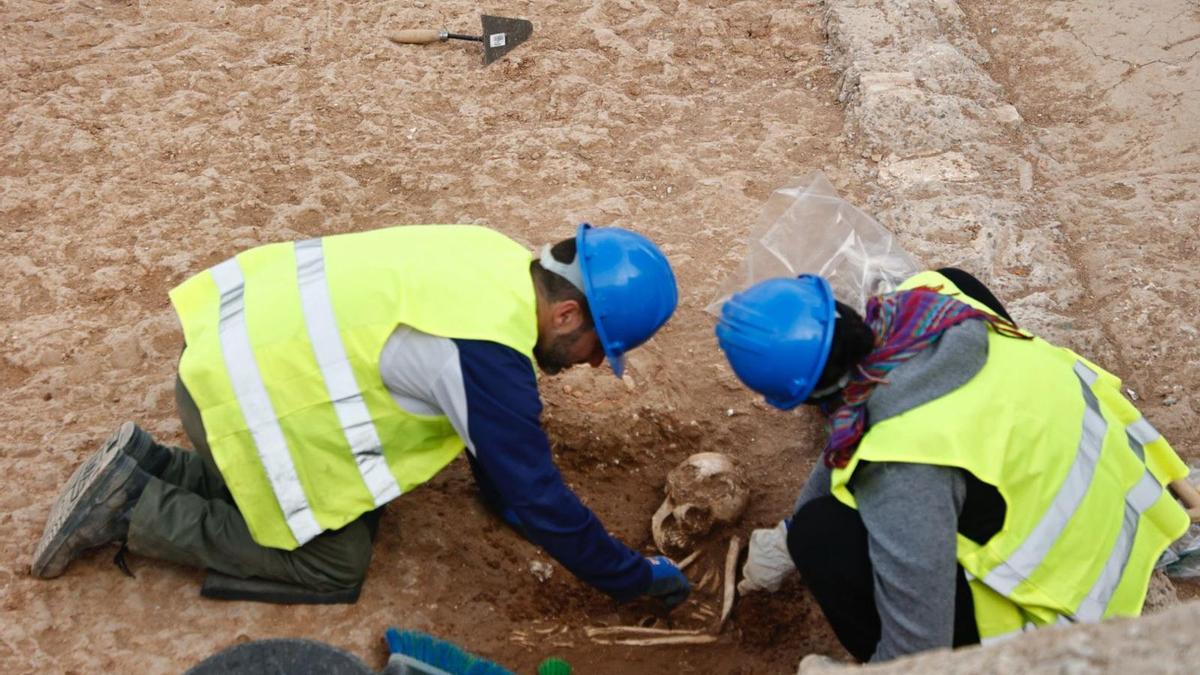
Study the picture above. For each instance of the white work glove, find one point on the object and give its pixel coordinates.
(768, 562)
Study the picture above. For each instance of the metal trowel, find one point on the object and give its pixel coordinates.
(501, 35)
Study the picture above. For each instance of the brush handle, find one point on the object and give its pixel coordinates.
(403, 664)
(418, 36)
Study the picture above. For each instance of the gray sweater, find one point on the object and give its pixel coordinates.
(911, 511)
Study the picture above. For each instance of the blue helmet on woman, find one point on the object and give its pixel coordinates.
(777, 335)
(629, 286)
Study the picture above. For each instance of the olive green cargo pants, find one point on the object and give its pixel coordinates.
(187, 515)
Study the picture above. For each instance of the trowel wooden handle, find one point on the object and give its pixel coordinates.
(417, 36)
(1189, 495)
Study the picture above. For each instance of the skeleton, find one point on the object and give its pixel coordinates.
(705, 489)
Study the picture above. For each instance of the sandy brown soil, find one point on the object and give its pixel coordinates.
(1110, 97)
(141, 143)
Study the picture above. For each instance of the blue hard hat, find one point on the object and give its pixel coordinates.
(777, 335)
(629, 286)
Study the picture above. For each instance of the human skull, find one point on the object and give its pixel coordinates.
(705, 489)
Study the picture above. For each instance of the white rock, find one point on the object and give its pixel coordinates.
(542, 571)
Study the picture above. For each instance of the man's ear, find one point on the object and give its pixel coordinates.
(567, 316)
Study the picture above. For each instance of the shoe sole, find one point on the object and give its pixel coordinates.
(92, 483)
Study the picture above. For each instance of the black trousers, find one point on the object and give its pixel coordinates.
(828, 542)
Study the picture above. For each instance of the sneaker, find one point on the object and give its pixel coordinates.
(93, 509)
(138, 444)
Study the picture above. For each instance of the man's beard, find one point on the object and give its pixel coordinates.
(553, 358)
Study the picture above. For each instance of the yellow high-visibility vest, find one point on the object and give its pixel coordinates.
(282, 359)
(1082, 475)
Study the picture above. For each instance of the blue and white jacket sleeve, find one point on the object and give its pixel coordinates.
(489, 393)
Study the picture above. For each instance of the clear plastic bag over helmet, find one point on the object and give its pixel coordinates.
(806, 228)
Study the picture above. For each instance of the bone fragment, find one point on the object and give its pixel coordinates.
(690, 559)
(735, 545)
(593, 631)
(667, 640)
(656, 524)
(703, 583)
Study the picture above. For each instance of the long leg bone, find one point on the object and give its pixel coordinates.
(593, 631)
(666, 640)
(735, 545)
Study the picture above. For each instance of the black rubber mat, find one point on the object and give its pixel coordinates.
(280, 656)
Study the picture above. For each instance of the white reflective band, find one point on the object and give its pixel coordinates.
(1029, 555)
(1143, 431)
(340, 382)
(1003, 637)
(1028, 626)
(1140, 497)
(569, 272)
(1087, 375)
(1136, 446)
(256, 406)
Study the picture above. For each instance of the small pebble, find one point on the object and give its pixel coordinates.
(541, 570)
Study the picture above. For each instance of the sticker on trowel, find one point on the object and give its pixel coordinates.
(496, 40)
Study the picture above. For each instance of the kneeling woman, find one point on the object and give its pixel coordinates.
(977, 481)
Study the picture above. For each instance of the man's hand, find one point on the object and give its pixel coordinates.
(667, 582)
(768, 562)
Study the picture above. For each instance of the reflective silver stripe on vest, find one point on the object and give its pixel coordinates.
(1138, 500)
(256, 406)
(1136, 446)
(1025, 628)
(1005, 637)
(1143, 432)
(1029, 555)
(343, 388)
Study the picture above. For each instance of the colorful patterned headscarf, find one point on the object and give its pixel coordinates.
(904, 324)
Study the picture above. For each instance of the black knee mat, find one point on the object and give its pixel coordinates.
(290, 656)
